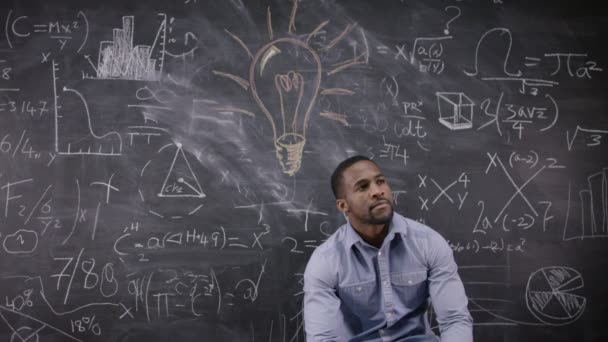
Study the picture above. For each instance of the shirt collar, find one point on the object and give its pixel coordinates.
(398, 225)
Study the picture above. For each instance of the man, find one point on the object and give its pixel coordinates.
(372, 279)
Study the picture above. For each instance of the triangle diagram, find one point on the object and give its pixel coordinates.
(181, 180)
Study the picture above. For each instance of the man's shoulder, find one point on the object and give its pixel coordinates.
(420, 234)
(429, 244)
(327, 257)
(416, 229)
(334, 243)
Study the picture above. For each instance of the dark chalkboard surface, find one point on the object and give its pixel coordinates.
(164, 165)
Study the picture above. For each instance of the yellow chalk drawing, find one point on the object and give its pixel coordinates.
(285, 78)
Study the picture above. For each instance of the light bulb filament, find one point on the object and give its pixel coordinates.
(288, 84)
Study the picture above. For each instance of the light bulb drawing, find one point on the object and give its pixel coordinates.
(284, 80)
(272, 75)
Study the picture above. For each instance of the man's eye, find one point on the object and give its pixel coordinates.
(380, 181)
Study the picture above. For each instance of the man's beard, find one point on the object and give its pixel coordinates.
(384, 219)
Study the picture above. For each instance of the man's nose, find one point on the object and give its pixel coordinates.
(377, 191)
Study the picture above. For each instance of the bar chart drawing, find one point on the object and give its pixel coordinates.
(593, 209)
(120, 59)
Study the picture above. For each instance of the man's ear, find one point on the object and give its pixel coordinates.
(342, 205)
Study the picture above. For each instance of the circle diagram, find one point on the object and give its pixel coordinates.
(553, 295)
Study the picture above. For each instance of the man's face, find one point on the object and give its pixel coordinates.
(366, 196)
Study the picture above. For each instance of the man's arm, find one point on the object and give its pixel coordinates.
(447, 293)
(323, 320)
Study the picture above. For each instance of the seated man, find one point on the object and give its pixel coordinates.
(371, 280)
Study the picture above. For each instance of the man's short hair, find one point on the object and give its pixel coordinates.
(337, 176)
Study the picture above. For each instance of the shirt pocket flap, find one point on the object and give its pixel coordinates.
(408, 279)
(356, 288)
(360, 298)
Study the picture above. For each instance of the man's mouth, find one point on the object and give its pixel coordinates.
(380, 203)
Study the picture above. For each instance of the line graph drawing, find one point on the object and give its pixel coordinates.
(181, 180)
(120, 59)
(553, 295)
(69, 141)
(593, 209)
(488, 308)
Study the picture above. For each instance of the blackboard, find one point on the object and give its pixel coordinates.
(164, 166)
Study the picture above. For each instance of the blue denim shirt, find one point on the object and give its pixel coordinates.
(354, 291)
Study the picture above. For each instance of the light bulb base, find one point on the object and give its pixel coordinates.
(289, 148)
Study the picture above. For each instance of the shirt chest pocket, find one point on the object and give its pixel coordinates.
(360, 298)
(411, 288)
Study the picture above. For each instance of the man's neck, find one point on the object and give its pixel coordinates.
(372, 234)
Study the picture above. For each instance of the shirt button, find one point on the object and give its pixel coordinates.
(389, 314)
(385, 282)
(359, 288)
(381, 332)
(409, 282)
(380, 253)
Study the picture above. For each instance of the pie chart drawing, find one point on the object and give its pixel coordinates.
(553, 295)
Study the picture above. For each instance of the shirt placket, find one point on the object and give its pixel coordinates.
(385, 283)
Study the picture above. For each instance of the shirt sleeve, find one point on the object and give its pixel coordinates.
(323, 319)
(447, 293)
